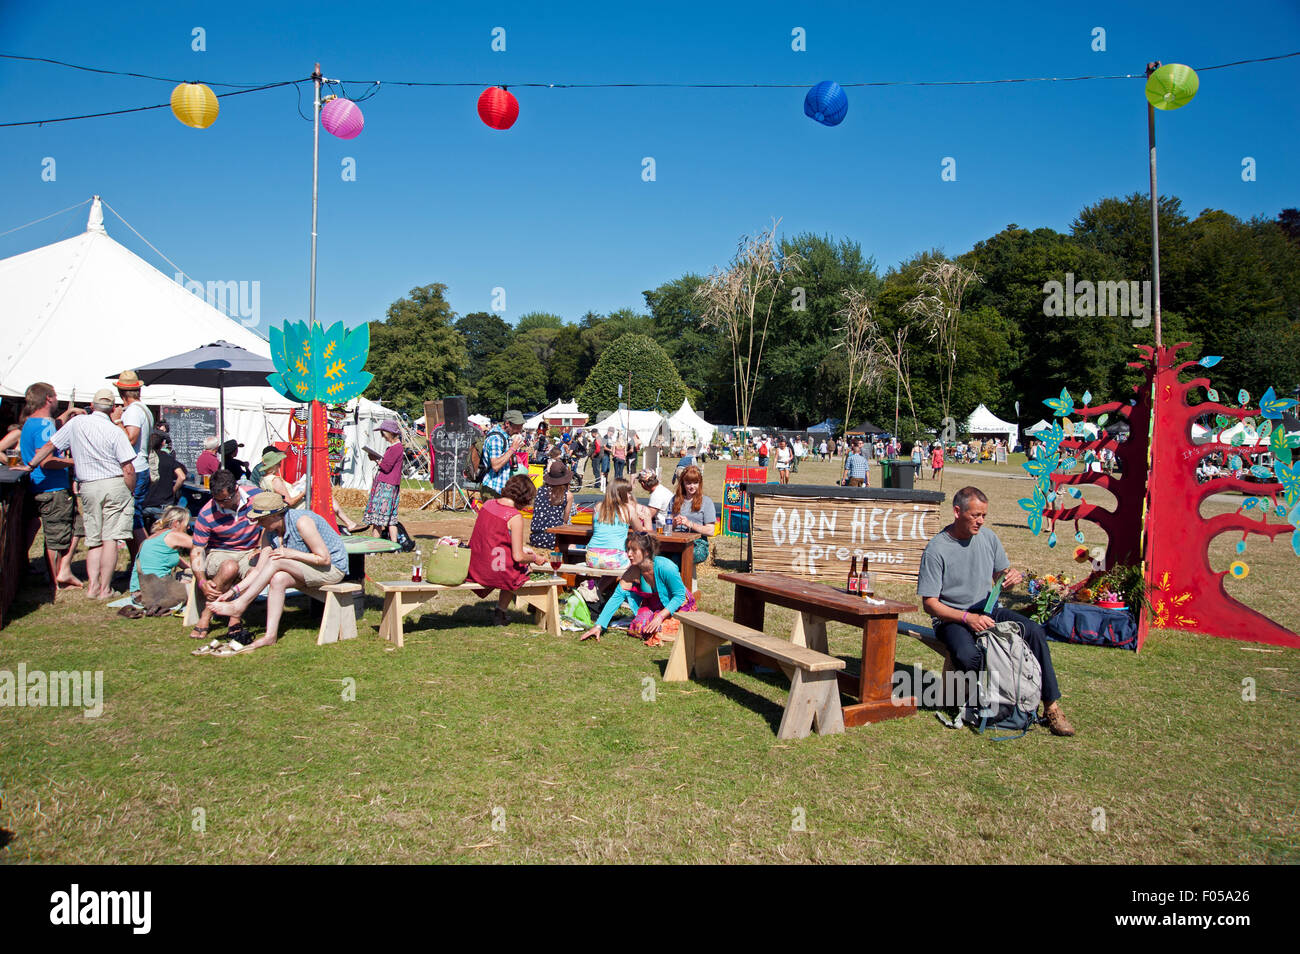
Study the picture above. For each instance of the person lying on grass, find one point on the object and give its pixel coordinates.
(652, 585)
(299, 549)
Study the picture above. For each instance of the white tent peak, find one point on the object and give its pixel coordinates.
(95, 222)
(983, 421)
(689, 427)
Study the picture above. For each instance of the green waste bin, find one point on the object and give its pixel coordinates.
(887, 473)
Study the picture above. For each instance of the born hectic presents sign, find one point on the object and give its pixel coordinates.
(816, 538)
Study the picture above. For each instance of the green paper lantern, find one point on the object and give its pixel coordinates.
(1172, 86)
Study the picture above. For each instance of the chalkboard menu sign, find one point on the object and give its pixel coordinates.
(189, 427)
(450, 444)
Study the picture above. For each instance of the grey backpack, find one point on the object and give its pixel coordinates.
(1010, 683)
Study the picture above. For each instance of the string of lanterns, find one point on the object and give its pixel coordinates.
(1171, 86)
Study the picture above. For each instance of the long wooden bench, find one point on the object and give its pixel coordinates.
(925, 636)
(344, 605)
(814, 700)
(402, 597)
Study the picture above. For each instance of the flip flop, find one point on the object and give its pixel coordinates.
(231, 649)
(201, 630)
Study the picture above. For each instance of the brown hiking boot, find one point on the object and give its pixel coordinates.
(1056, 720)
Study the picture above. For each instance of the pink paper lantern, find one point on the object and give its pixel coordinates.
(498, 107)
(342, 117)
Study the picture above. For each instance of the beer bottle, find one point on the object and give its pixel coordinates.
(853, 575)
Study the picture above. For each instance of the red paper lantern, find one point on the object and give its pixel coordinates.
(498, 107)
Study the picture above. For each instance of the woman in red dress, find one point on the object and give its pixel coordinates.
(498, 558)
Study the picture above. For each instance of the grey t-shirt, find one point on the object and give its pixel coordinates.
(960, 572)
(707, 514)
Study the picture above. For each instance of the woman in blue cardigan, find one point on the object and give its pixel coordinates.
(652, 585)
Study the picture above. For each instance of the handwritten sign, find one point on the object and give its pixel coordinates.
(817, 538)
(189, 427)
(450, 446)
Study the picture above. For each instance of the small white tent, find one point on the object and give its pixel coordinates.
(984, 423)
(81, 309)
(688, 427)
(650, 426)
(1040, 426)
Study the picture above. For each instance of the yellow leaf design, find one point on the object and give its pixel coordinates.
(335, 369)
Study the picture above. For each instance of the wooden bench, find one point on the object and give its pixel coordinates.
(814, 689)
(925, 636)
(402, 597)
(344, 605)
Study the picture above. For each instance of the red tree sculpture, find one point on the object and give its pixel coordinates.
(1157, 514)
(1185, 592)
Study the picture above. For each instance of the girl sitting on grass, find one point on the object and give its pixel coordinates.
(652, 585)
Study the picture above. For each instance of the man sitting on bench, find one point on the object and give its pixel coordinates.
(299, 548)
(960, 563)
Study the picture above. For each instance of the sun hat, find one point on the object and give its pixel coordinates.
(270, 459)
(514, 416)
(266, 504)
(557, 473)
(128, 381)
(104, 396)
(391, 427)
(230, 446)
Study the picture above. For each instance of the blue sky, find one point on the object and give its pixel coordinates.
(555, 210)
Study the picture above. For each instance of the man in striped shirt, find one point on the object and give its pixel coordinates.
(103, 459)
(225, 543)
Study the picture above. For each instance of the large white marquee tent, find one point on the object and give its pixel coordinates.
(984, 423)
(78, 310)
(688, 427)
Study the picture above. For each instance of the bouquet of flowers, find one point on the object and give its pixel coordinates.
(1046, 594)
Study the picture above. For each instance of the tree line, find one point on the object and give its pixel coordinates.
(1230, 287)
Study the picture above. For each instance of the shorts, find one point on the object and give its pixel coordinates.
(107, 508)
(854, 482)
(142, 484)
(601, 559)
(215, 558)
(58, 518)
(320, 575)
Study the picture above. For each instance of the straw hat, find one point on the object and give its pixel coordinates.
(128, 381)
(266, 504)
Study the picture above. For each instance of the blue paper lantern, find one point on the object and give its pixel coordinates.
(826, 103)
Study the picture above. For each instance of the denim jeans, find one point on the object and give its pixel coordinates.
(960, 640)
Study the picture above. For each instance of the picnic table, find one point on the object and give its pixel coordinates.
(359, 548)
(815, 604)
(569, 534)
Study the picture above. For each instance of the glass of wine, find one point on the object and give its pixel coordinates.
(556, 559)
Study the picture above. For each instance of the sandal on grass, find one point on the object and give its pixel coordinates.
(200, 632)
(231, 649)
(240, 634)
(208, 649)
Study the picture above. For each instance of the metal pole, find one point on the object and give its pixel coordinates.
(311, 306)
(1155, 213)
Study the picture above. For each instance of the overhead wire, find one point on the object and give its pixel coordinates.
(238, 89)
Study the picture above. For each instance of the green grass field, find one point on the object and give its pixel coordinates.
(476, 743)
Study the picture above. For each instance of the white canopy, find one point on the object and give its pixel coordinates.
(689, 427)
(87, 307)
(985, 423)
(1040, 426)
(648, 425)
(1228, 433)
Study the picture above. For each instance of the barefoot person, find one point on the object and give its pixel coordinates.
(225, 544)
(52, 484)
(958, 569)
(299, 548)
(652, 585)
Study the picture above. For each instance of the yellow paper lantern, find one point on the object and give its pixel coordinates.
(195, 105)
